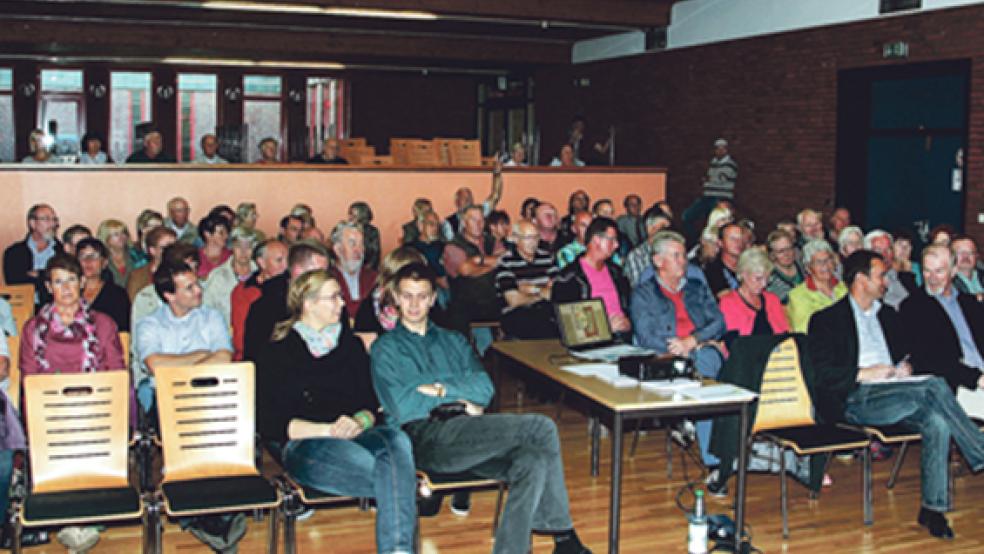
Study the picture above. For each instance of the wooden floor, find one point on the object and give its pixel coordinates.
(651, 521)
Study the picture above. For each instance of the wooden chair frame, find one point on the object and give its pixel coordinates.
(78, 425)
(207, 425)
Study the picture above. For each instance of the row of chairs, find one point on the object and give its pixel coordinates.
(79, 455)
(417, 152)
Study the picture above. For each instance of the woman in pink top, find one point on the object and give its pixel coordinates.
(750, 309)
(65, 335)
(214, 230)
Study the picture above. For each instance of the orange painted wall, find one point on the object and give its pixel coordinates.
(87, 196)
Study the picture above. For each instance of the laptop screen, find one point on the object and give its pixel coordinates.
(583, 324)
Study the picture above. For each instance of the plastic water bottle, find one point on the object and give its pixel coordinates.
(697, 530)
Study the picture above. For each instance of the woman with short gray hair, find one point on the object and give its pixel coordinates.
(750, 309)
(821, 289)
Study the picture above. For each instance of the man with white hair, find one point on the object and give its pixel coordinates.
(354, 276)
(676, 314)
(809, 223)
(523, 279)
(850, 240)
(898, 285)
(947, 327)
(178, 220)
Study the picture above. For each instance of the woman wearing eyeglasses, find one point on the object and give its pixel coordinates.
(317, 410)
(820, 289)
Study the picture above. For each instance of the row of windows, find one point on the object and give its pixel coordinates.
(61, 111)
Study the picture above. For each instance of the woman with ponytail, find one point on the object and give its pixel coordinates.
(317, 409)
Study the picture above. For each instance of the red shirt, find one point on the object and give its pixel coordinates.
(684, 326)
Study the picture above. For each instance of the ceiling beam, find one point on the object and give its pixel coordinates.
(180, 39)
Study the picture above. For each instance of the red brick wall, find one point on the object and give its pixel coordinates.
(773, 97)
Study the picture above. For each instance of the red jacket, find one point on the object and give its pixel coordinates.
(739, 317)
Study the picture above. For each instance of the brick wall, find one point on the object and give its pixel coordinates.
(773, 97)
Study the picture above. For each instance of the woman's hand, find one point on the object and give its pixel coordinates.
(345, 428)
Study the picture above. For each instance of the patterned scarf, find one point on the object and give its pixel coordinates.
(322, 342)
(82, 326)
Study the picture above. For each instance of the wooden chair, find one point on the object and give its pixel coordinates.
(466, 153)
(296, 498)
(444, 146)
(78, 428)
(785, 418)
(21, 300)
(400, 150)
(207, 424)
(423, 152)
(377, 160)
(355, 154)
(352, 142)
(429, 484)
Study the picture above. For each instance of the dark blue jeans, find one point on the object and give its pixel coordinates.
(521, 449)
(930, 408)
(6, 471)
(376, 464)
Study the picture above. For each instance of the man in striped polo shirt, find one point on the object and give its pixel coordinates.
(719, 185)
(523, 280)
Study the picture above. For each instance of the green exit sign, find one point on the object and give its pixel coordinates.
(899, 49)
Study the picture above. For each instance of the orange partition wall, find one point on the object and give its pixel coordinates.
(88, 196)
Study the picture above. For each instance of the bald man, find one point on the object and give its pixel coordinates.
(524, 279)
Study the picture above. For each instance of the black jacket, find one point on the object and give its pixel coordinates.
(292, 383)
(571, 284)
(264, 313)
(113, 301)
(834, 352)
(18, 260)
(934, 341)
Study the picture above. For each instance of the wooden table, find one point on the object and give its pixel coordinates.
(615, 406)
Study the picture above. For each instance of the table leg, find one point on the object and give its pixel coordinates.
(742, 473)
(614, 508)
(595, 445)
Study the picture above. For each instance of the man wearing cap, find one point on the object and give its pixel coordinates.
(719, 185)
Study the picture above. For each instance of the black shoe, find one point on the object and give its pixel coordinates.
(936, 522)
(429, 507)
(568, 543)
(715, 485)
(461, 503)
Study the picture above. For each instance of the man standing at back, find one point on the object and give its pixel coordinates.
(419, 369)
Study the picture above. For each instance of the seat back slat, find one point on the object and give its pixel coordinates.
(784, 400)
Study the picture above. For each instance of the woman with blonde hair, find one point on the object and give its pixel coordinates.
(123, 257)
(318, 412)
(246, 217)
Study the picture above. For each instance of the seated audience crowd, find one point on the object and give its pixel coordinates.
(356, 349)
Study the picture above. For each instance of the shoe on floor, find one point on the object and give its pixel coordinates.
(936, 522)
(684, 433)
(569, 543)
(461, 503)
(715, 486)
(78, 540)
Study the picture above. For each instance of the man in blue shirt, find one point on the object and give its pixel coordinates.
(182, 331)
(418, 367)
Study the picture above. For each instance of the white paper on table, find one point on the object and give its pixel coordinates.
(909, 379)
(721, 391)
(668, 385)
(603, 371)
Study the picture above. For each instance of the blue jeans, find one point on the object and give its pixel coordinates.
(708, 362)
(376, 464)
(931, 409)
(521, 449)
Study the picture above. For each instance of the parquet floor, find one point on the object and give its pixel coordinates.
(651, 522)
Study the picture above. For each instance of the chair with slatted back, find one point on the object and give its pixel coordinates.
(423, 152)
(444, 146)
(785, 418)
(207, 425)
(21, 300)
(466, 153)
(352, 142)
(400, 150)
(77, 428)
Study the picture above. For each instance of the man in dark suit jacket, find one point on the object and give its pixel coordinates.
(24, 261)
(859, 351)
(946, 328)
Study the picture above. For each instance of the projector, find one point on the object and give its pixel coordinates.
(656, 368)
